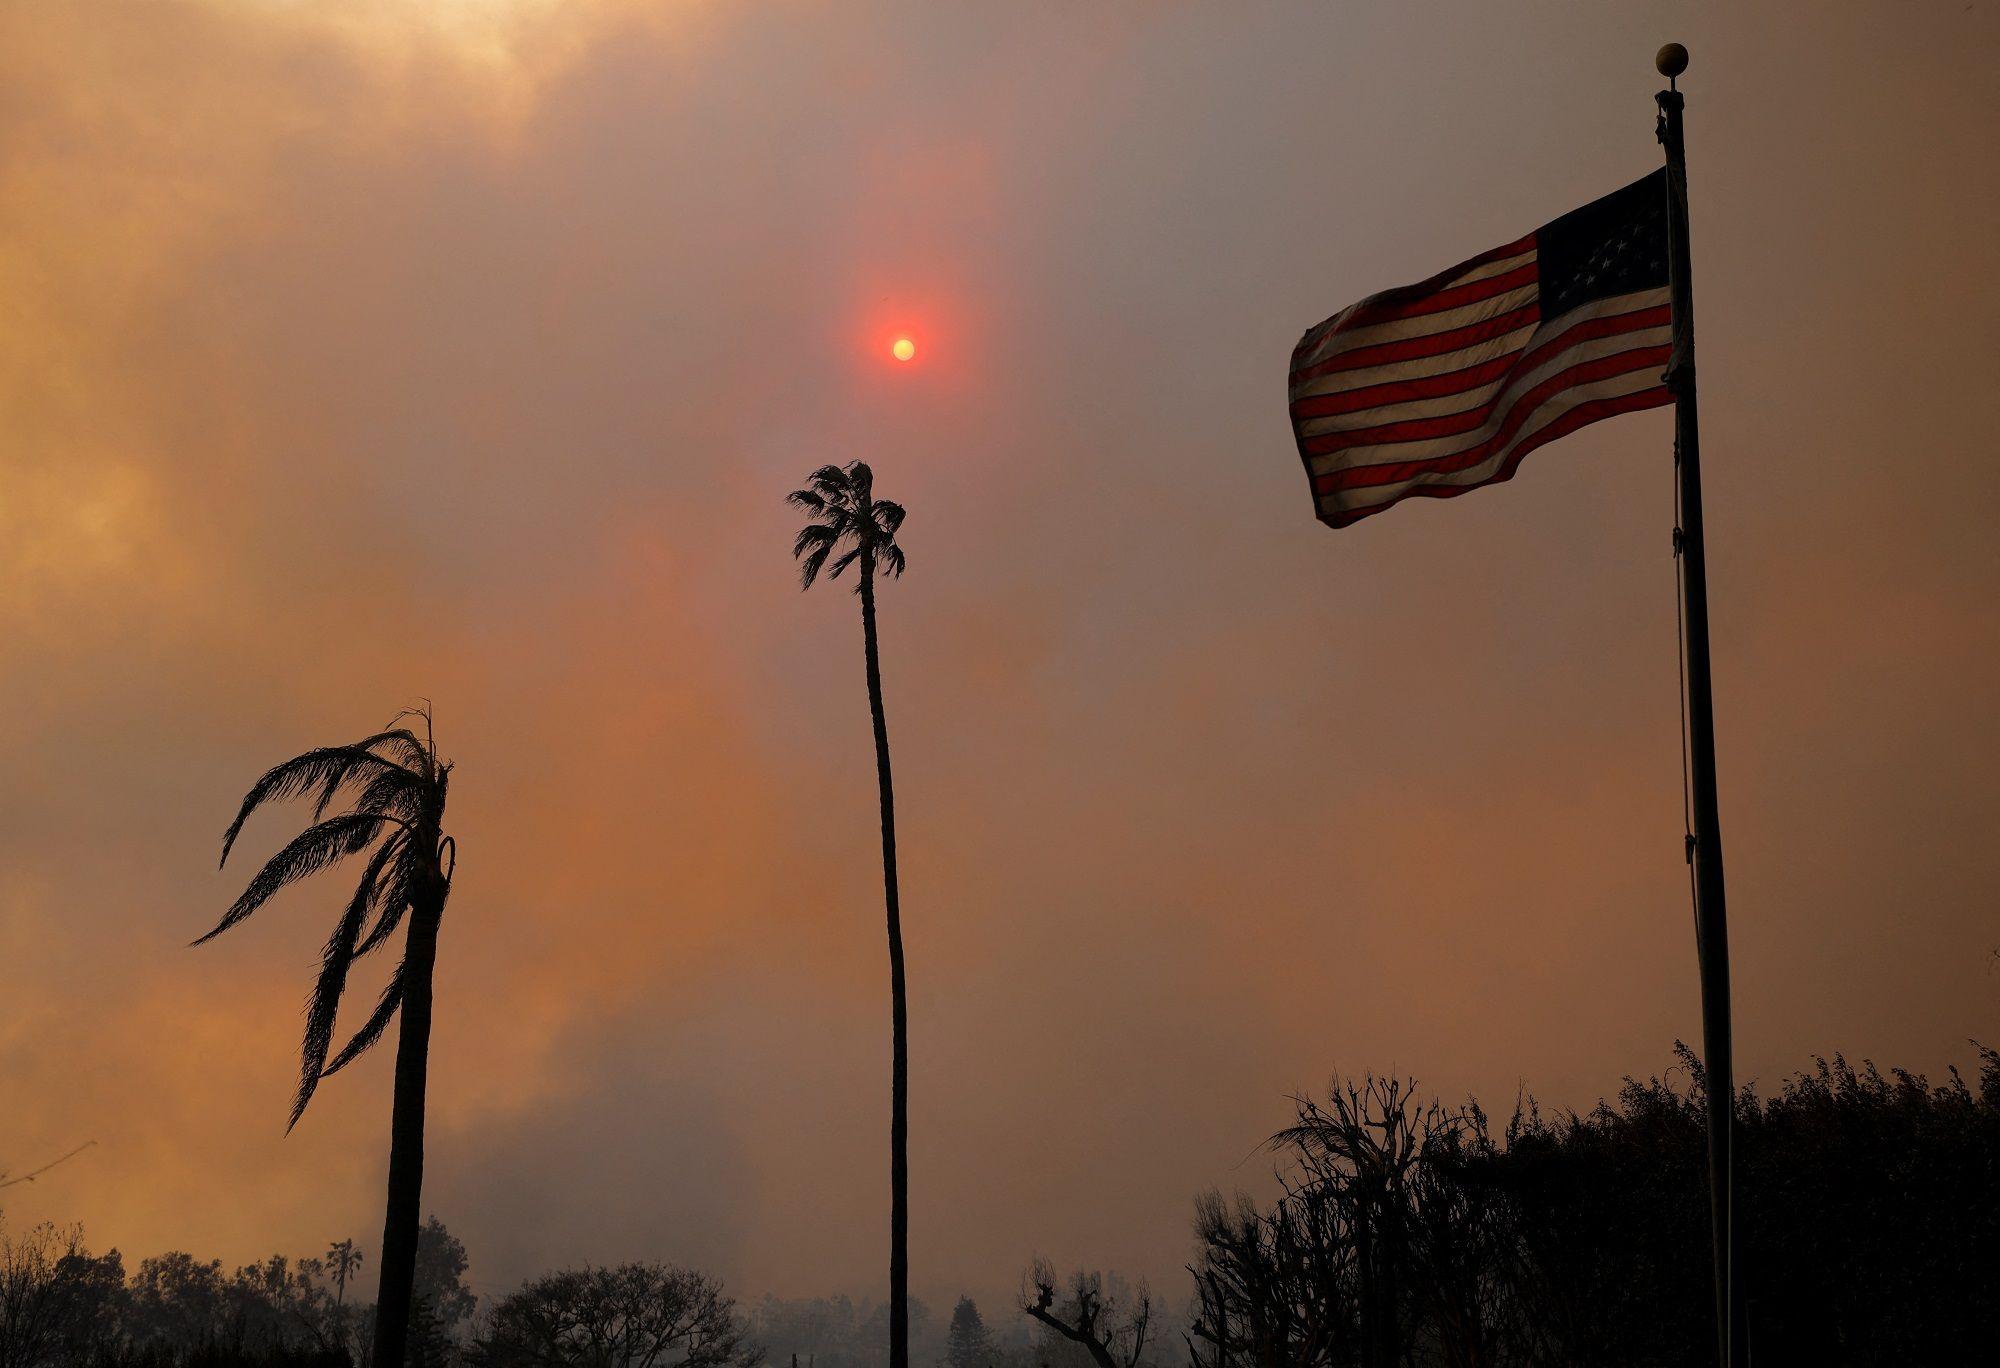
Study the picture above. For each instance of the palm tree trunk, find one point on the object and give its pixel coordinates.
(406, 1135)
(899, 1069)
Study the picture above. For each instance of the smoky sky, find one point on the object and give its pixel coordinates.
(351, 356)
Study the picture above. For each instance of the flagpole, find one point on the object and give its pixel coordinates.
(1705, 841)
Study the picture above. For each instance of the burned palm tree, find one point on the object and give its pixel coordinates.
(396, 785)
(854, 528)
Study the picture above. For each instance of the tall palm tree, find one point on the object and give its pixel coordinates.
(855, 528)
(398, 787)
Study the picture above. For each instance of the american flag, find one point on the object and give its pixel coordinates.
(1443, 386)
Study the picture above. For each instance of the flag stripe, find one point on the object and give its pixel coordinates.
(1413, 438)
(1478, 470)
(1517, 415)
(1336, 515)
(1500, 265)
(1406, 388)
(1462, 313)
(1465, 270)
(1392, 392)
(1432, 344)
(1502, 258)
(1508, 343)
(1467, 410)
(1442, 300)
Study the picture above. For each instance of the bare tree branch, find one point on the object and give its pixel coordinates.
(30, 1176)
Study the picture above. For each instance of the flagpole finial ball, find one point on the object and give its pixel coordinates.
(1672, 61)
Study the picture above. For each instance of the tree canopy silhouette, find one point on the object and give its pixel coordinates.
(638, 1315)
(966, 1342)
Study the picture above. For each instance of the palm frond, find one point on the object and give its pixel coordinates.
(422, 753)
(371, 1030)
(890, 559)
(847, 558)
(860, 483)
(392, 900)
(809, 567)
(324, 1005)
(809, 500)
(317, 847)
(812, 535)
(832, 484)
(396, 792)
(888, 516)
(401, 741)
(810, 549)
(388, 772)
(383, 890)
(326, 765)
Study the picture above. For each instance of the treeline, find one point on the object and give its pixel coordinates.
(1411, 1234)
(1406, 1234)
(61, 1306)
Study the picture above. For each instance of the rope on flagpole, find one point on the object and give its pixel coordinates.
(1681, 679)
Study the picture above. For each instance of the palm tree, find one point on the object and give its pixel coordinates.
(344, 1259)
(854, 527)
(398, 786)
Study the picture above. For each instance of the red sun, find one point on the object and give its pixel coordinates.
(903, 349)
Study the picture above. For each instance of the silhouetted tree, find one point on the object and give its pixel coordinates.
(439, 1282)
(638, 1315)
(40, 1275)
(1331, 1274)
(398, 785)
(309, 1303)
(1112, 1330)
(853, 527)
(965, 1342)
(91, 1289)
(342, 1259)
(1366, 1165)
(1271, 1287)
(430, 1343)
(178, 1302)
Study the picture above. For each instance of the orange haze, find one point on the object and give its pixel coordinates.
(348, 357)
